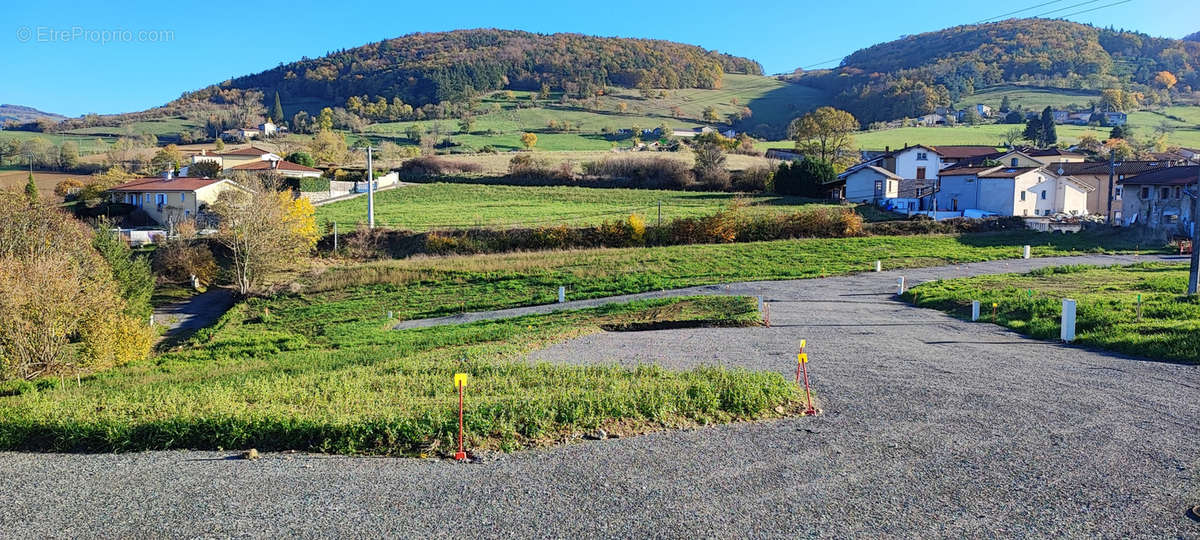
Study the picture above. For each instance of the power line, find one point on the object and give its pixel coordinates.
(1096, 8)
(1072, 6)
(1019, 11)
(822, 63)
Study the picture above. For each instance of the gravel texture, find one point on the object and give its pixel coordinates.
(933, 427)
(183, 319)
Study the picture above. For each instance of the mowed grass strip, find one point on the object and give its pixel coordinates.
(1106, 310)
(254, 383)
(448, 205)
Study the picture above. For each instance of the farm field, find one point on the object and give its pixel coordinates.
(88, 144)
(160, 126)
(773, 103)
(497, 164)
(448, 205)
(1183, 133)
(15, 179)
(1030, 98)
(1031, 303)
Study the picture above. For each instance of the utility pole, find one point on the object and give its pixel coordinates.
(1112, 179)
(1194, 271)
(370, 191)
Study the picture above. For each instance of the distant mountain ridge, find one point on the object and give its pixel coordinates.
(1195, 36)
(913, 75)
(426, 68)
(23, 114)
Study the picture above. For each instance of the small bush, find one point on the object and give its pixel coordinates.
(178, 260)
(755, 179)
(654, 172)
(436, 166)
(309, 185)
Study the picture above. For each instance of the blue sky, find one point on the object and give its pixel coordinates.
(56, 58)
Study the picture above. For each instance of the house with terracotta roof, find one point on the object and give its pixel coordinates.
(1011, 191)
(282, 167)
(1161, 199)
(232, 158)
(1096, 174)
(170, 200)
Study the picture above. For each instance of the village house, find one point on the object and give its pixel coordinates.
(1008, 191)
(784, 155)
(1161, 199)
(271, 129)
(871, 184)
(170, 200)
(1096, 175)
(233, 158)
(1115, 118)
(281, 167)
(240, 134)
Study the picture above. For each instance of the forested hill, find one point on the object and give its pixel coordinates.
(426, 68)
(912, 75)
(1192, 37)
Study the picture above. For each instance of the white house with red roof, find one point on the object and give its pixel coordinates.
(168, 199)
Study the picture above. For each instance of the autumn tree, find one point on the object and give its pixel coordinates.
(167, 158)
(1166, 79)
(529, 140)
(710, 114)
(205, 169)
(325, 119)
(826, 134)
(265, 231)
(61, 310)
(328, 146)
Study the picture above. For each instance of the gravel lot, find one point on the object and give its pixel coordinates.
(933, 427)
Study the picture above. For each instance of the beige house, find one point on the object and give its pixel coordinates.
(286, 169)
(233, 158)
(170, 200)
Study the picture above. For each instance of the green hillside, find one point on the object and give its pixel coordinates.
(1030, 98)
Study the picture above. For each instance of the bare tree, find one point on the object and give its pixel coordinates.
(265, 231)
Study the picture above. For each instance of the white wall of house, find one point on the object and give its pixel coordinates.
(909, 161)
(958, 192)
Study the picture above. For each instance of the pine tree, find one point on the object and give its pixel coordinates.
(1049, 133)
(277, 110)
(31, 190)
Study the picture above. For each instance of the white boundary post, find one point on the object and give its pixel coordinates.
(1068, 320)
(900, 285)
(974, 310)
(878, 266)
(1025, 253)
(562, 294)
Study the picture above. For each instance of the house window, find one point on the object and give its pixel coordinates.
(183, 197)
(1176, 192)
(1117, 192)
(1014, 162)
(1043, 194)
(920, 173)
(878, 187)
(1022, 195)
(1166, 193)
(1117, 215)
(922, 156)
(1145, 193)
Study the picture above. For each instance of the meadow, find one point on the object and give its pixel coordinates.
(772, 102)
(1167, 326)
(1030, 98)
(424, 207)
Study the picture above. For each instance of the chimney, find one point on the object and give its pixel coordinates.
(168, 175)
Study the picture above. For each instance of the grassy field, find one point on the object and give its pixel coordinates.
(1030, 98)
(497, 164)
(1107, 300)
(260, 382)
(772, 102)
(1184, 132)
(320, 369)
(88, 144)
(158, 126)
(444, 206)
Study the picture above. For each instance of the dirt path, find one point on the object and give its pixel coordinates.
(933, 427)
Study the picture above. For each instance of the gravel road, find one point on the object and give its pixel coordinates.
(933, 427)
(183, 319)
